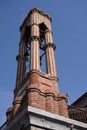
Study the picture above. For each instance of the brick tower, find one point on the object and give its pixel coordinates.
(38, 104)
(34, 87)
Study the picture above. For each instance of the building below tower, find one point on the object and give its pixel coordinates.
(78, 109)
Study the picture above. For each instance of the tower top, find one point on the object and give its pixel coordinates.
(35, 10)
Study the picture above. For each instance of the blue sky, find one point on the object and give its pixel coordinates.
(69, 26)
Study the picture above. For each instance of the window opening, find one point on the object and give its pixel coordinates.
(42, 29)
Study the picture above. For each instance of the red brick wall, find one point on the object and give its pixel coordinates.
(43, 93)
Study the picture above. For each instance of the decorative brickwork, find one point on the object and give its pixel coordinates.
(34, 87)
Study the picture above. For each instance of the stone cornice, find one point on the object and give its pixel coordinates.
(36, 117)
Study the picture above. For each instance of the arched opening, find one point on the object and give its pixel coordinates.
(42, 29)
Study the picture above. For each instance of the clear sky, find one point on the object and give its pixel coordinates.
(69, 26)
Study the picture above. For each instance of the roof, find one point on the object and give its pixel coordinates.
(79, 99)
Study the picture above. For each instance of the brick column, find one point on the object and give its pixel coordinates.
(51, 66)
(35, 56)
(18, 67)
(21, 70)
(23, 60)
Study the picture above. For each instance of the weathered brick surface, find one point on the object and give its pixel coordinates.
(16, 105)
(44, 96)
(40, 95)
(42, 91)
